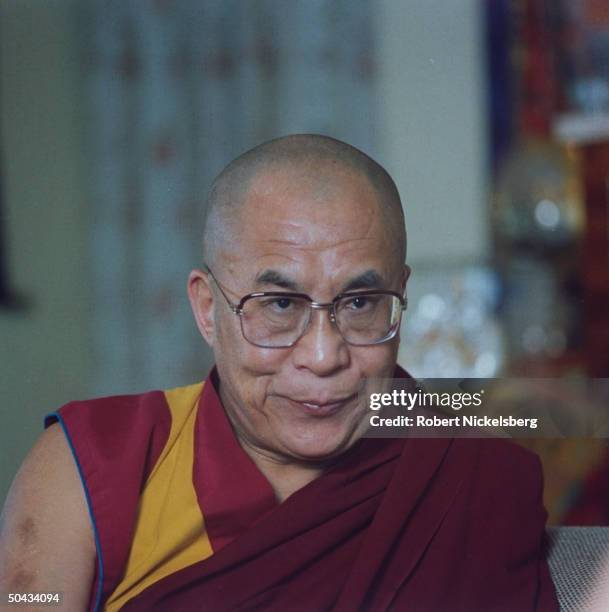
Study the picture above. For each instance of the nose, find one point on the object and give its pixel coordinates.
(321, 349)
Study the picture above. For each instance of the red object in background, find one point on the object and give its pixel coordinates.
(595, 169)
(597, 12)
(592, 505)
(539, 79)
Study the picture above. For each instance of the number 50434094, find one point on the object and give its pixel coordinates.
(40, 598)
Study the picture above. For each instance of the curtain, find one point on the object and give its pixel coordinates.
(174, 91)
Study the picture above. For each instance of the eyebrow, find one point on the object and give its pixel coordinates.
(273, 277)
(370, 279)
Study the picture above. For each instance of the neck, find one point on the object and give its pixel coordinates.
(285, 477)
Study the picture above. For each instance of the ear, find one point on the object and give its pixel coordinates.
(202, 303)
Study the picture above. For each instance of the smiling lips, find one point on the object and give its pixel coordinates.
(326, 407)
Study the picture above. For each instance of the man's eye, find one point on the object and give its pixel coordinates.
(283, 303)
(278, 303)
(357, 303)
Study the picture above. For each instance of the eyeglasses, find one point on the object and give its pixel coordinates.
(278, 319)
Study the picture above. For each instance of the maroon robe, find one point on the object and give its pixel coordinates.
(417, 524)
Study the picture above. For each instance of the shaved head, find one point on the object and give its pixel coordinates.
(320, 161)
(314, 216)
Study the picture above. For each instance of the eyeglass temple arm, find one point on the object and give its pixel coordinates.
(234, 307)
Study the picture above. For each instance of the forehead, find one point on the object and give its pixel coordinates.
(315, 196)
(310, 221)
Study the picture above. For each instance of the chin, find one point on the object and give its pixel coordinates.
(318, 448)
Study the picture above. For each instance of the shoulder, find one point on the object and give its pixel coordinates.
(116, 441)
(507, 460)
(499, 478)
(121, 417)
(135, 427)
(107, 413)
(75, 496)
(497, 458)
(506, 481)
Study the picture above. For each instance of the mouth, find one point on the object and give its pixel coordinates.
(321, 407)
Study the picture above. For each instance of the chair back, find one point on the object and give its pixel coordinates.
(579, 559)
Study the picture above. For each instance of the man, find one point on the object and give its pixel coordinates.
(256, 490)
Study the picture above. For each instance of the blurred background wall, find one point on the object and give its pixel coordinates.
(115, 116)
(45, 332)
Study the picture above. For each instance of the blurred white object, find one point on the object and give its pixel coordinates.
(449, 330)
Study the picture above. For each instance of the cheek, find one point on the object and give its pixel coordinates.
(227, 339)
(248, 369)
(234, 348)
(376, 361)
(260, 363)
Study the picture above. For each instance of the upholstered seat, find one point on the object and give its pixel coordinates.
(579, 561)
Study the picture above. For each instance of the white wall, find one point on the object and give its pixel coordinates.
(432, 118)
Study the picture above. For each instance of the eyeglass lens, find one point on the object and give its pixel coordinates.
(274, 321)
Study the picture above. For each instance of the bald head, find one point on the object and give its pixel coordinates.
(320, 161)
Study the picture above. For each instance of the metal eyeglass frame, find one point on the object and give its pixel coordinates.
(329, 306)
